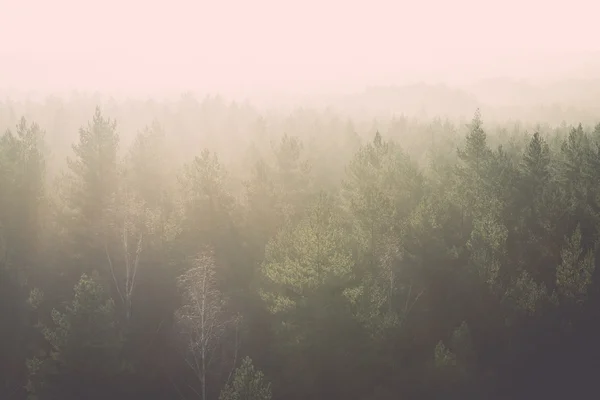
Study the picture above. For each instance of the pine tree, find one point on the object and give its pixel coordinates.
(91, 187)
(85, 343)
(94, 169)
(536, 161)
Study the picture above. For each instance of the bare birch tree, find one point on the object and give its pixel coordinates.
(201, 318)
(131, 262)
(136, 221)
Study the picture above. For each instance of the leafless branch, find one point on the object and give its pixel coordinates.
(131, 268)
(176, 388)
(410, 304)
(202, 316)
(112, 271)
(236, 348)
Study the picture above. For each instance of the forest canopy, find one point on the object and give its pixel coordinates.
(209, 250)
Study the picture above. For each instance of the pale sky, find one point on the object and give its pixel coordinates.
(235, 45)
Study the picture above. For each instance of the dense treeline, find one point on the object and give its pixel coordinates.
(393, 259)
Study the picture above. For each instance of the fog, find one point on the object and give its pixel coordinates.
(264, 48)
(314, 200)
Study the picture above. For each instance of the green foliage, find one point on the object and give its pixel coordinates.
(443, 357)
(476, 150)
(458, 362)
(574, 274)
(278, 191)
(23, 214)
(381, 189)
(536, 160)
(248, 384)
(36, 298)
(527, 294)
(207, 204)
(148, 172)
(22, 183)
(488, 247)
(348, 261)
(306, 259)
(88, 322)
(476, 160)
(94, 168)
(84, 339)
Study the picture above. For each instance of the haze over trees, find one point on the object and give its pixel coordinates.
(264, 200)
(220, 251)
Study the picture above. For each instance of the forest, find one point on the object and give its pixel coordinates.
(205, 249)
